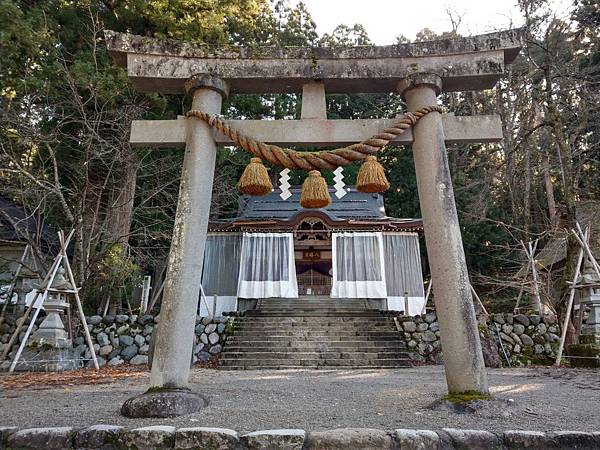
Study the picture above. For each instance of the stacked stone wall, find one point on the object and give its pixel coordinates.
(516, 338)
(126, 338)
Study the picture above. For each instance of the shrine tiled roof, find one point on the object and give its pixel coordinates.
(354, 205)
(354, 210)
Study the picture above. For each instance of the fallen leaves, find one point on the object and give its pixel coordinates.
(47, 380)
(105, 375)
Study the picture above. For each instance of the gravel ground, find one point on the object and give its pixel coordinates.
(543, 399)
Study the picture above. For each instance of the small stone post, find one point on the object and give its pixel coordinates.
(463, 358)
(168, 395)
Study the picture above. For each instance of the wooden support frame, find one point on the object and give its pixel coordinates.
(61, 259)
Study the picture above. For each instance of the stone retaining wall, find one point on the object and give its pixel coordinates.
(124, 338)
(526, 339)
(166, 437)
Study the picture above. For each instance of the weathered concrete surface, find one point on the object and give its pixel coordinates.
(463, 359)
(314, 105)
(314, 132)
(472, 63)
(175, 331)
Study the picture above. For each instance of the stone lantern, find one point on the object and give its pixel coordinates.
(52, 329)
(589, 294)
(23, 286)
(586, 353)
(50, 349)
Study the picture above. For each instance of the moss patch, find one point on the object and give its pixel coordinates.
(465, 397)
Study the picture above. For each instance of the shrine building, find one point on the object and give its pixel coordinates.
(276, 249)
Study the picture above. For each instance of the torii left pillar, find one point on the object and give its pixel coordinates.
(168, 394)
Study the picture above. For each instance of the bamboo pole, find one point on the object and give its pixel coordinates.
(37, 311)
(427, 297)
(86, 330)
(22, 319)
(563, 335)
(478, 299)
(536, 288)
(524, 281)
(587, 250)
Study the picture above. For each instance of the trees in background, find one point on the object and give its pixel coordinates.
(65, 113)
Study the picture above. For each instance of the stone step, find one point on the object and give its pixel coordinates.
(314, 339)
(328, 355)
(301, 343)
(311, 320)
(330, 313)
(318, 349)
(315, 363)
(269, 328)
(298, 331)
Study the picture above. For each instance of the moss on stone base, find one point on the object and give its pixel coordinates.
(466, 396)
(584, 355)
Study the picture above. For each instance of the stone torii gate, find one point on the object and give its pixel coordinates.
(418, 71)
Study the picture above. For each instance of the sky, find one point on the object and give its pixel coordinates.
(386, 19)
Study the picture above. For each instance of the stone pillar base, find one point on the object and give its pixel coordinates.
(163, 403)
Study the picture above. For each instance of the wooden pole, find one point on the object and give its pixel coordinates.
(86, 330)
(524, 280)
(479, 300)
(563, 335)
(587, 250)
(37, 311)
(536, 288)
(427, 297)
(145, 294)
(22, 319)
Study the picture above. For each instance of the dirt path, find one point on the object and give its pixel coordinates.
(527, 399)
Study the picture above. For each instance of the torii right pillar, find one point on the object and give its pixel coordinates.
(463, 358)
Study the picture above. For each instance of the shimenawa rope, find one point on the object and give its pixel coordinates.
(320, 160)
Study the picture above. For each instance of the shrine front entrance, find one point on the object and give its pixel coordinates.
(312, 254)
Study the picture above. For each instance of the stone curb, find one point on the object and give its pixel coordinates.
(107, 437)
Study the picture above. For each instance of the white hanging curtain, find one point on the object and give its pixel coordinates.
(220, 273)
(267, 266)
(358, 265)
(403, 272)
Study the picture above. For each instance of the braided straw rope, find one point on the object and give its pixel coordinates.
(321, 160)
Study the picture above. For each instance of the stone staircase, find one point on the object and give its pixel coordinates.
(315, 333)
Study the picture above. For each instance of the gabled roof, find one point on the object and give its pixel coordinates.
(354, 205)
(22, 224)
(354, 210)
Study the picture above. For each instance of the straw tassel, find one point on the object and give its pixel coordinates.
(371, 176)
(315, 193)
(255, 179)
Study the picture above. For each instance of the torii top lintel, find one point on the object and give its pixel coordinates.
(466, 63)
